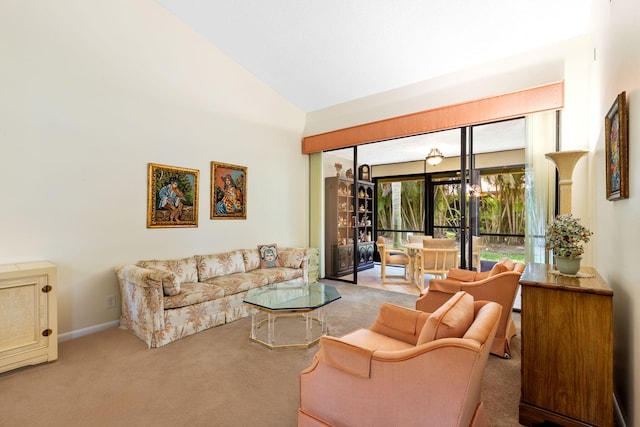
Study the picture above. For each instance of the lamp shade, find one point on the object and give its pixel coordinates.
(434, 157)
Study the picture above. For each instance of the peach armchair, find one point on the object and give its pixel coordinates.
(409, 369)
(392, 256)
(499, 285)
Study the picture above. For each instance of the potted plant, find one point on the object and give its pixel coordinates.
(565, 236)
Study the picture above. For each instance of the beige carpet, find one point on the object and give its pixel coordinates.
(214, 378)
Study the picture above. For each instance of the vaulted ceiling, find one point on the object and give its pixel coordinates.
(319, 53)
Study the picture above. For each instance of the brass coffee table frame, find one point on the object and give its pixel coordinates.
(306, 303)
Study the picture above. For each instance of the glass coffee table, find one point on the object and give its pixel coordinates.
(288, 315)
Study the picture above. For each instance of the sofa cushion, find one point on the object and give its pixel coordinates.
(366, 338)
(451, 320)
(192, 293)
(269, 256)
(251, 259)
(280, 274)
(185, 269)
(221, 264)
(238, 282)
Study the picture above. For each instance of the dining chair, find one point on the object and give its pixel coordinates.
(394, 257)
(437, 258)
(418, 238)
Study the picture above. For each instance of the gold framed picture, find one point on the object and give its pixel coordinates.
(228, 191)
(172, 196)
(617, 149)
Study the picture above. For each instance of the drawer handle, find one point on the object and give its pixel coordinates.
(46, 289)
(47, 332)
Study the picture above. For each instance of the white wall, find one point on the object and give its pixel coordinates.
(617, 69)
(94, 91)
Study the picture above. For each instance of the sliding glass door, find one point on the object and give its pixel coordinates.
(475, 196)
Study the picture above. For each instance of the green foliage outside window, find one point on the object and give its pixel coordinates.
(502, 206)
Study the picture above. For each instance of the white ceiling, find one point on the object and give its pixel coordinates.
(319, 53)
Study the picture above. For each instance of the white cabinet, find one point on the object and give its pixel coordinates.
(28, 314)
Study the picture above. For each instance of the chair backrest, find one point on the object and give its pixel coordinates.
(381, 244)
(439, 255)
(438, 243)
(418, 238)
(478, 244)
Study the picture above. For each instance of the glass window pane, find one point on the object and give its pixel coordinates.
(446, 210)
(400, 209)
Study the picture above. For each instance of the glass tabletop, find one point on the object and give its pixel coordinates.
(283, 296)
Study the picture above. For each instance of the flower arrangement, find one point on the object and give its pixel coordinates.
(565, 236)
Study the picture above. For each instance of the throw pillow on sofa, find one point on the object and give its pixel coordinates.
(269, 256)
(170, 281)
(185, 269)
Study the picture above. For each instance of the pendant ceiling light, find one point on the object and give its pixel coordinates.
(434, 157)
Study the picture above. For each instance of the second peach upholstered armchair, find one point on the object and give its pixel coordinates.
(409, 368)
(499, 285)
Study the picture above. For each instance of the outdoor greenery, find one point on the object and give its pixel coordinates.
(502, 206)
(490, 255)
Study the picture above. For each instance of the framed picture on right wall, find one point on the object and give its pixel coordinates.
(617, 149)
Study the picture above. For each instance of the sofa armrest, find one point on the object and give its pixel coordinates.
(296, 258)
(142, 299)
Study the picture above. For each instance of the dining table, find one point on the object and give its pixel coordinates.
(414, 250)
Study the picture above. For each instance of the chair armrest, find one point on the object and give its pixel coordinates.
(357, 361)
(445, 285)
(400, 323)
(481, 275)
(346, 357)
(501, 288)
(431, 300)
(397, 252)
(462, 275)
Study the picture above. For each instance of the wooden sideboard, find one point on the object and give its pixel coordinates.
(567, 348)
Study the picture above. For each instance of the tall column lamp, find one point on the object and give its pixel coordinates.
(565, 161)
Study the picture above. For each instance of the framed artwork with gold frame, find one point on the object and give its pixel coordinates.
(172, 196)
(617, 149)
(228, 191)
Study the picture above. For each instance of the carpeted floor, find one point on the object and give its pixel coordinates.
(214, 378)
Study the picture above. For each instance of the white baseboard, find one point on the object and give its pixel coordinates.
(87, 331)
(617, 413)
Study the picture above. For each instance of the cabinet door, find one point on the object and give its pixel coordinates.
(23, 315)
(345, 258)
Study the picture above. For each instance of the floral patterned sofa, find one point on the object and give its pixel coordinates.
(163, 301)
